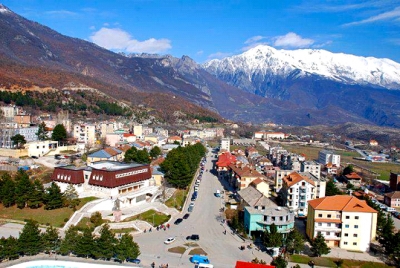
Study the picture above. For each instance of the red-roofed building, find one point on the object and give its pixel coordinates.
(352, 178)
(243, 264)
(345, 221)
(224, 160)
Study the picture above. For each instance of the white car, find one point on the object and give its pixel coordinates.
(169, 240)
(196, 188)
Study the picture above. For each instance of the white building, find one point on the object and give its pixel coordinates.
(85, 133)
(325, 157)
(226, 144)
(312, 167)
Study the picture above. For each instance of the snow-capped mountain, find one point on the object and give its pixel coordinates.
(267, 62)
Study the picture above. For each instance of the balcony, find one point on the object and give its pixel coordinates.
(328, 229)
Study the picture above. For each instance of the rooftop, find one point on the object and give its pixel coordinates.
(113, 166)
(341, 203)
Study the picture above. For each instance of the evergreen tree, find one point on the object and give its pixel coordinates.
(18, 140)
(42, 133)
(70, 240)
(131, 155)
(386, 234)
(294, 241)
(104, 245)
(51, 239)
(155, 152)
(7, 190)
(23, 188)
(71, 197)
(318, 246)
(35, 200)
(8, 248)
(59, 133)
(279, 262)
(96, 218)
(53, 197)
(142, 156)
(331, 189)
(29, 241)
(272, 238)
(127, 248)
(348, 170)
(85, 244)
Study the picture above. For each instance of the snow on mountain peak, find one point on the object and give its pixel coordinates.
(346, 68)
(4, 9)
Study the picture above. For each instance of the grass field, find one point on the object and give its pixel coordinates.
(153, 217)
(56, 217)
(177, 199)
(311, 153)
(85, 222)
(330, 262)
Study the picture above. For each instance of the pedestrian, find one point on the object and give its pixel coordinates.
(167, 265)
(153, 265)
(168, 225)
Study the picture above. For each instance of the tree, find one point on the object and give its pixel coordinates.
(53, 197)
(59, 133)
(29, 241)
(96, 218)
(23, 188)
(126, 247)
(155, 152)
(7, 190)
(272, 238)
(42, 133)
(279, 262)
(50, 239)
(85, 244)
(8, 248)
(294, 241)
(104, 245)
(331, 189)
(142, 156)
(348, 170)
(71, 197)
(386, 234)
(318, 246)
(70, 240)
(18, 140)
(35, 200)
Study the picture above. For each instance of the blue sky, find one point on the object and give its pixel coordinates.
(206, 29)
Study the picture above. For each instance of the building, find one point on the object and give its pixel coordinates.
(41, 148)
(394, 181)
(226, 144)
(312, 167)
(106, 154)
(105, 179)
(392, 199)
(345, 221)
(352, 178)
(325, 157)
(242, 175)
(174, 139)
(85, 133)
(298, 189)
(373, 143)
(279, 175)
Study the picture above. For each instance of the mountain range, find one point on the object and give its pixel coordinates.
(299, 87)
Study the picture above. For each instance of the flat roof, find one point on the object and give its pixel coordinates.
(113, 166)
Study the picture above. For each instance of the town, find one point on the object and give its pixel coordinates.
(144, 196)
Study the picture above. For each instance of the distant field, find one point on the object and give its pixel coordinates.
(311, 153)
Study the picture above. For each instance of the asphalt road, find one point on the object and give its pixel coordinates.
(205, 220)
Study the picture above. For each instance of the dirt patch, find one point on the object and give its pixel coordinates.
(179, 250)
(197, 251)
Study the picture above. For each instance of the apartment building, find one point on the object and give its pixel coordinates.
(345, 221)
(312, 167)
(325, 157)
(226, 144)
(85, 133)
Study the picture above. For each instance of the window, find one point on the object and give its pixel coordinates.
(329, 216)
(338, 216)
(319, 224)
(354, 243)
(347, 217)
(319, 215)
(329, 225)
(355, 235)
(346, 226)
(356, 217)
(346, 234)
(345, 243)
(328, 233)
(356, 226)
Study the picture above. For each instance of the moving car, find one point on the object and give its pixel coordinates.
(178, 221)
(170, 240)
(199, 259)
(186, 216)
(194, 237)
(136, 261)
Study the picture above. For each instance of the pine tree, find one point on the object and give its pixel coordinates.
(272, 238)
(318, 246)
(8, 248)
(294, 241)
(50, 239)
(104, 245)
(142, 156)
(59, 133)
(85, 244)
(29, 241)
(7, 190)
(71, 197)
(70, 240)
(131, 155)
(53, 197)
(35, 200)
(23, 188)
(127, 248)
(155, 152)
(42, 133)
(279, 262)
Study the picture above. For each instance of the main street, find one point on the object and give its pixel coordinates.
(222, 249)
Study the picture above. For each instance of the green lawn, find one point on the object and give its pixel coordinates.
(56, 217)
(150, 215)
(85, 222)
(177, 199)
(330, 262)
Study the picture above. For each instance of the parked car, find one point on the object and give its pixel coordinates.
(194, 237)
(191, 206)
(34, 157)
(136, 261)
(170, 240)
(186, 216)
(178, 221)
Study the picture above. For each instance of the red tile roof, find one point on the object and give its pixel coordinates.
(341, 203)
(394, 195)
(242, 264)
(225, 159)
(295, 177)
(353, 176)
(126, 135)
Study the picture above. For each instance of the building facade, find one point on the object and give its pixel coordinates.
(312, 167)
(85, 133)
(325, 157)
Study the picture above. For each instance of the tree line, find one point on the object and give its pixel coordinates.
(23, 192)
(32, 241)
(181, 164)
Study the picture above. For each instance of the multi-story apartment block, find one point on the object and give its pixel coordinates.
(279, 175)
(297, 189)
(312, 167)
(325, 157)
(345, 221)
(226, 144)
(85, 133)
(106, 128)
